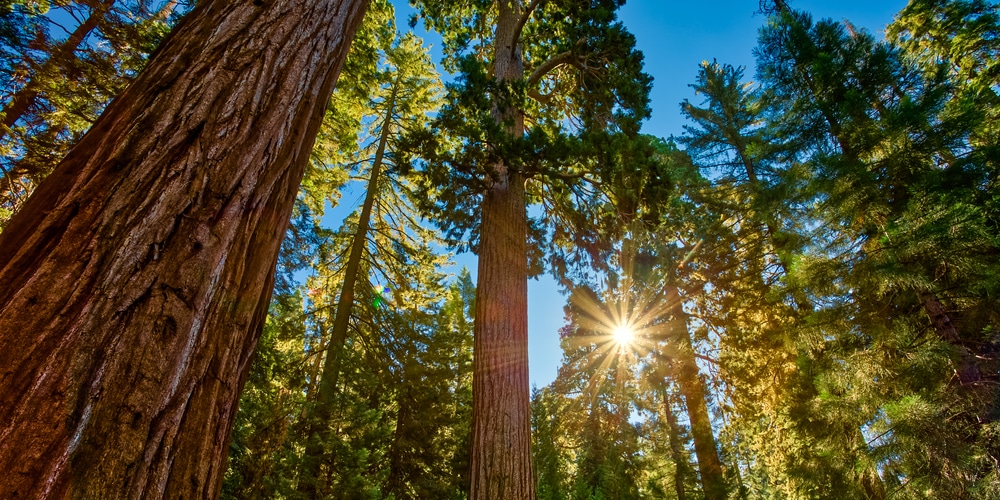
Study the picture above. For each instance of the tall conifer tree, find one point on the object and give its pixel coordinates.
(579, 67)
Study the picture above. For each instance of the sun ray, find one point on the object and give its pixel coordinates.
(619, 331)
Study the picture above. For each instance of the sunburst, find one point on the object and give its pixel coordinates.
(624, 334)
(625, 325)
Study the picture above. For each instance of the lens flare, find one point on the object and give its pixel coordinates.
(624, 334)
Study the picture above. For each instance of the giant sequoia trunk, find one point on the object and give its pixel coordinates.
(501, 419)
(136, 280)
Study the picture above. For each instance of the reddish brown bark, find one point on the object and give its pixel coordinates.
(501, 419)
(136, 279)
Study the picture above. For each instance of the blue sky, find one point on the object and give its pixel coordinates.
(675, 38)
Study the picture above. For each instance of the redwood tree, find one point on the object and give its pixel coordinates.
(541, 86)
(137, 277)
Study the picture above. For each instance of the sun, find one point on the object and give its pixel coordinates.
(623, 334)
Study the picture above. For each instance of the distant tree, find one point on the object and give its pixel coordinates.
(587, 446)
(405, 95)
(548, 436)
(397, 407)
(539, 85)
(903, 251)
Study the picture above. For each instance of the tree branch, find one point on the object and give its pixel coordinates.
(552, 63)
(706, 358)
(524, 20)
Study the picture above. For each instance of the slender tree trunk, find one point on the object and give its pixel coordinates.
(136, 280)
(501, 419)
(968, 371)
(676, 446)
(61, 56)
(396, 483)
(693, 389)
(322, 409)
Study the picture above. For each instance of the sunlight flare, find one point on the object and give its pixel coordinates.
(624, 334)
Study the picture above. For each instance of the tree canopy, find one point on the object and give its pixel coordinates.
(222, 276)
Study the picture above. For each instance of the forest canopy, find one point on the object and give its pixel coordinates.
(299, 269)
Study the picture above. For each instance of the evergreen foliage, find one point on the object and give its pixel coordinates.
(382, 408)
(63, 62)
(811, 270)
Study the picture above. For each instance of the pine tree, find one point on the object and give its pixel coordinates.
(60, 85)
(899, 231)
(548, 435)
(590, 449)
(397, 423)
(729, 141)
(406, 94)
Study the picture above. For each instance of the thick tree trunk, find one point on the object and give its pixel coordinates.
(693, 389)
(136, 280)
(501, 418)
(322, 409)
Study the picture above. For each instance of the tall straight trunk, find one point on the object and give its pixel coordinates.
(396, 483)
(676, 446)
(693, 389)
(501, 418)
(136, 280)
(322, 409)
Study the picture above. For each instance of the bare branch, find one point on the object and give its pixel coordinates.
(524, 20)
(706, 358)
(554, 62)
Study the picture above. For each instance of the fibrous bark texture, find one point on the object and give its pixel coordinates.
(135, 281)
(501, 418)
